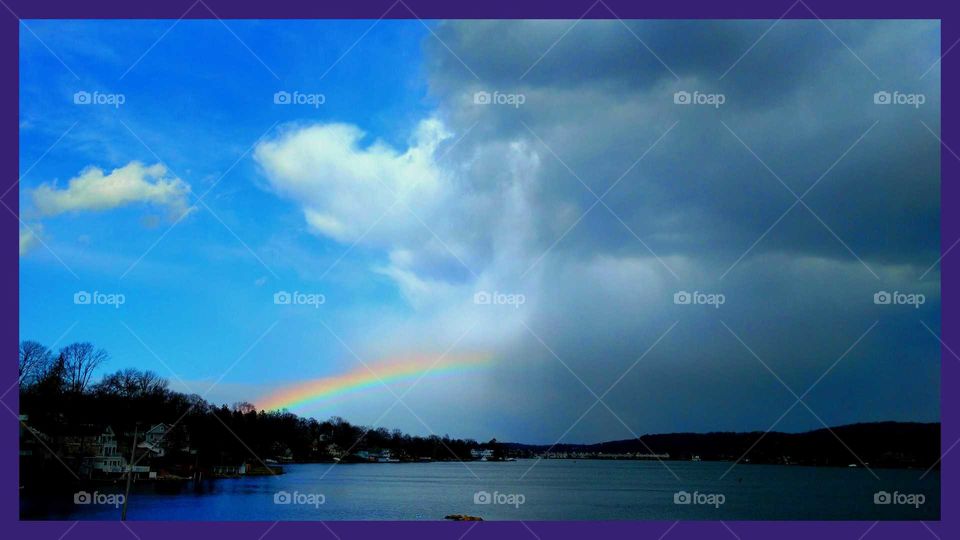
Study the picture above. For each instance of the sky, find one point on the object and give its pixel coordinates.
(538, 231)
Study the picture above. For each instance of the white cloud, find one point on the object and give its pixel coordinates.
(28, 238)
(444, 230)
(345, 188)
(93, 190)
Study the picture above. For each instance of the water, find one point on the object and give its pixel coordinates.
(524, 490)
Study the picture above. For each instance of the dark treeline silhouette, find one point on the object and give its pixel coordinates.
(64, 407)
(876, 444)
(67, 411)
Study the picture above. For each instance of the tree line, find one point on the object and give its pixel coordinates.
(62, 400)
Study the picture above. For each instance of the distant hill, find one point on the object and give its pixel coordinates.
(879, 444)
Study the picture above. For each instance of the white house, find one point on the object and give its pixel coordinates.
(153, 439)
(107, 458)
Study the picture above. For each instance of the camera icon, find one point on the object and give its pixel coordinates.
(681, 98)
(481, 98)
(82, 298)
(482, 298)
(282, 497)
(882, 298)
(282, 298)
(482, 497)
(882, 497)
(81, 497)
(282, 98)
(82, 98)
(881, 98)
(682, 298)
(682, 497)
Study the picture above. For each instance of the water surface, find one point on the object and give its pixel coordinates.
(523, 490)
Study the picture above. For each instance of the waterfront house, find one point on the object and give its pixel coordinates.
(153, 440)
(482, 455)
(104, 455)
(104, 458)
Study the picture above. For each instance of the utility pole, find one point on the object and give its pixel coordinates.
(133, 451)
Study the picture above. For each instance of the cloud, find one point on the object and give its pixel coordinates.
(94, 191)
(381, 197)
(512, 207)
(345, 187)
(29, 237)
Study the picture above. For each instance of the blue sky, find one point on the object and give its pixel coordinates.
(401, 197)
(199, 117)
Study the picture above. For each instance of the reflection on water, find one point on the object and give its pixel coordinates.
(551, 490)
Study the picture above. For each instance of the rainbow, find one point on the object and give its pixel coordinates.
(326, 390)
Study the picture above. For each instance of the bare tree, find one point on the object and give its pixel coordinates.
(80, 360)
(148, 382)
(115, 383)
(35, 360)
(244, 407)
(131, 382)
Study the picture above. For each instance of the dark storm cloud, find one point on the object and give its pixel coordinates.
(799, 100)
(696, 198)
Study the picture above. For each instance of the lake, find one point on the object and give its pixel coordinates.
(522, 490)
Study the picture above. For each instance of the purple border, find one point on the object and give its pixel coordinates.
(947, 11)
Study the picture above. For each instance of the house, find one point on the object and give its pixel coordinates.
(105, 455)
(106, 458)
(482, 455)
(153, 440)
(334, 451)
(386, 457)
(228, 471)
